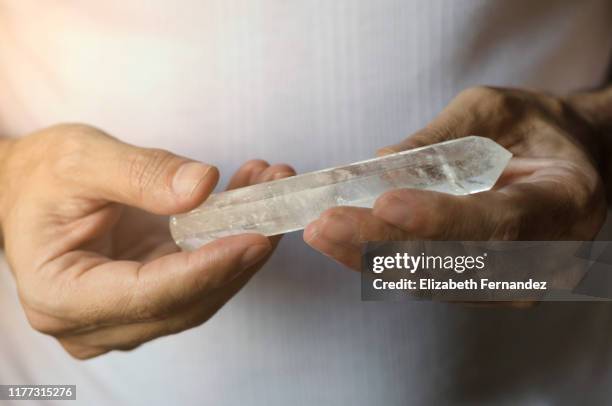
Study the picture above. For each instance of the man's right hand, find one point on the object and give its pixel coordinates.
(85, 235)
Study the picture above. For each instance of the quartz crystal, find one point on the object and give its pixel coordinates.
(461, 166)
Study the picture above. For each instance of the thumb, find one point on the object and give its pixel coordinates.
(450, 124)
(424, 214)
(154, 180)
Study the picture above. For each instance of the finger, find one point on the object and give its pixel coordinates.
(446, 126)
(247, 173)
(541, 209)
(257, 171)
(275, 172)
(155, 180)
(425, 214)
(534, 209)
(475, 111)
(129, 336)
(102, 291)
(339, 233)
(177, 279)
(82, 352)
(346, 254)
(407, 214)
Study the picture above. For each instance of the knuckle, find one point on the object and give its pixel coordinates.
(484, 99)
(329, 214)
(146, 309)
(383, 200)
(340, 212)
(37, 323)
(481, 93)
(327, 220)
(254, 169)
(145, 169)
(70, 156)
(45, 324)
(283, 168)
(60, 149)
(72, 137)
(128, 346)
(70, 145)
(388, 199)
(333, 219)
(141, 307)
(68, 128)
(441, 131)
(410, 223)
(41, 322)
(81, 352)
(255, 164)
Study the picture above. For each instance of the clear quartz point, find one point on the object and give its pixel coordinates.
(462, 166)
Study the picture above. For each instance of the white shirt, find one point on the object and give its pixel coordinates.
(312, 83)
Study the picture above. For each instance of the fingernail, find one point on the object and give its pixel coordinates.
(188, 177)
(395, 211)
(253, 254)
(340, 228)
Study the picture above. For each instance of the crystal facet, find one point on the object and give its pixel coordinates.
(462, 166)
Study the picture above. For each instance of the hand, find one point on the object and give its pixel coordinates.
(551, 189)
(91, 253)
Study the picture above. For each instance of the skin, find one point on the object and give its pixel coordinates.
(551, 190)
(87, 240)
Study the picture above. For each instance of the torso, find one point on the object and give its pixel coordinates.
(313, 84)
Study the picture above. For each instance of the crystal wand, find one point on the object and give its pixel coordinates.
(462, 166)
